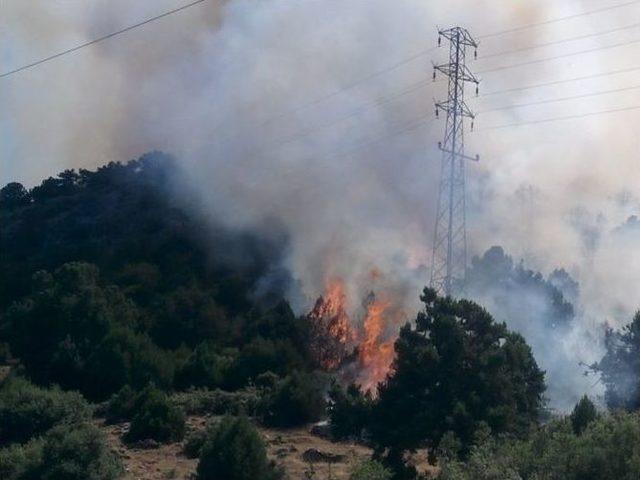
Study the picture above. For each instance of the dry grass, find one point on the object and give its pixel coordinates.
(285, 447)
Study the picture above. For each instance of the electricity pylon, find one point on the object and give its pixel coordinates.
(449, 264)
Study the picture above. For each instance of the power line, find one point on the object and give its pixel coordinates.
(557, 119)
(100, 39)
(559, 82)
(562, 99)
(559, 19)
(557, 42)
(351, 85)
(556, 57)
(414, 87)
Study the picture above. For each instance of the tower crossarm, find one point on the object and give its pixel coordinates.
(462, 71)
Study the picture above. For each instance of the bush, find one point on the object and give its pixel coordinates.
(296, 400)
(77, 452)
(260, 356)
(370, 470)
(608, 449)
(27, 411)
(349, 412)
(583, 414)
(194, 442)
(120, 406)
(66, 452)
(18, 462)
(218, 402)
(235, 451)
(156, 418)
(204, 368)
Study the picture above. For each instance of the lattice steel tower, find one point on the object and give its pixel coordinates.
(450, 239)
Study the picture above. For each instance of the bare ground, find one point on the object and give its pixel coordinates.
(285, 447)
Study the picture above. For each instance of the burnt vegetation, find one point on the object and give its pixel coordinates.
(117, 299)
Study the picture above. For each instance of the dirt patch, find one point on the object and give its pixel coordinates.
(297, 450)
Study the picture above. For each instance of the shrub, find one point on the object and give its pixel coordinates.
(608, 450)
(204, 368)
(18, 462)
(66, 452)
(349, 411)
(194, 442)
(156, 418)
(120, 406)
(370, 470)
(260, 356)
(235, 451)
(218, 402)
(583, 414)
(296, 400)
(27, 410)
(77, 452)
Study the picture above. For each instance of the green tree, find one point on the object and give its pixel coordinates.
(156, 418)
(583, 414)
(296, 400)
(619, 369)
(14, 195)
(349, 411)
(234, 450)
(456, 371)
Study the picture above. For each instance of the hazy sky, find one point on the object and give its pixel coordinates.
(224, 85)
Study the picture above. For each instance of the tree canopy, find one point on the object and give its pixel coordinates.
(456, 371)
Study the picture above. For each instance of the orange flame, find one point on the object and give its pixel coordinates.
(331, 326)
(375, 354)
(374, 338)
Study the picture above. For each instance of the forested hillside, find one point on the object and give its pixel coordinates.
(130, 321)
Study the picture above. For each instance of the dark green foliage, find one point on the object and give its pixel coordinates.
(77, 452)
(206, 367)
(194, 443)
(264, 355)
(20, 462)
(156, 418)
(27, 411)
(350, 411)
(370, 470)
(121, 405)
(583, 414)
(608, 449)
(295, 400)
(122, 278)
(14, 195)
(218, 402)
(83, 333)
(235, 451)
(456, 371)
(619, 369)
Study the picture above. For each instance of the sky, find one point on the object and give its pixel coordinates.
(277, 111)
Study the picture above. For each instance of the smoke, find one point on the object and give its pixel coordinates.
(224, 85)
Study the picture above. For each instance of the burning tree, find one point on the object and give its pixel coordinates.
(331, 333)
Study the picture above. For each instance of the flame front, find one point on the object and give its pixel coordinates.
(330, 326)
(373, 339)
(375, 353)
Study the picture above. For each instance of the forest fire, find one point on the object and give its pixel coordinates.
(364, 353)
(331, 333)
(375, 353)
